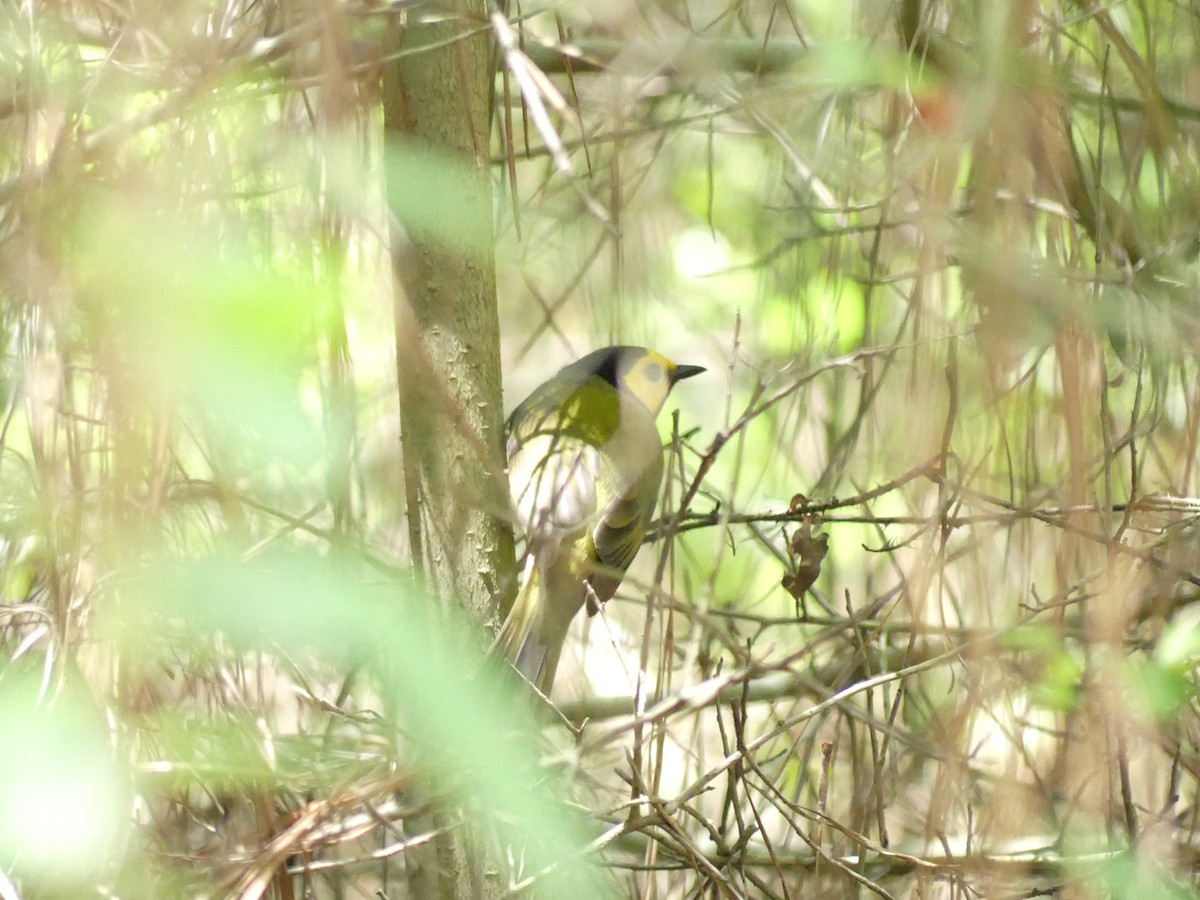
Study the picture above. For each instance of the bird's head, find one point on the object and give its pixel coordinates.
(641, 373)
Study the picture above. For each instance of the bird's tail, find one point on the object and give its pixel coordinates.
(526, 638)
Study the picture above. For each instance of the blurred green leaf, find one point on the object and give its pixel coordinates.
(1160, 689)
(1039, 639)
(1127, 878)
(437, 198)
(467, 718)
(1059, 686)
(850, 64)
(1179, 645)
(179, 322)
(65, 802)
(1062, 668)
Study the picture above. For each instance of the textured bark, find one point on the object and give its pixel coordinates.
(447, 330)
(448, 357)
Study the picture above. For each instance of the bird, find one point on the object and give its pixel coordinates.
(585, 463)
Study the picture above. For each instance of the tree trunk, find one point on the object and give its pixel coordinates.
(448, 360)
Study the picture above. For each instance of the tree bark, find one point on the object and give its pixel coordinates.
(448, 361)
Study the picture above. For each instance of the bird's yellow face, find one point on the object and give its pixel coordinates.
(649, 377)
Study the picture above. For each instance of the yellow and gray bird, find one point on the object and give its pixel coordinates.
(584, 466)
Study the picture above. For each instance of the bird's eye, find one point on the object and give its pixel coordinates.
(653, 372)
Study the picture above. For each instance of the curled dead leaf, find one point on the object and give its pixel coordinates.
(808, 552)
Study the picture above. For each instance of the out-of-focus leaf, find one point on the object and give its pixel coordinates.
(182, 325)
(1159, 689)
(64, 800)
(467, 720)
(1057, 684)
(437, 198)
(853, 64)
(1127, 878)
(1179, 645)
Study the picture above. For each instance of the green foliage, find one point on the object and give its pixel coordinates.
(1125, 877)
(65, 792)
(1159, 690)
(461, 715)
(1059, 664)
(433, 198)
(183, 315)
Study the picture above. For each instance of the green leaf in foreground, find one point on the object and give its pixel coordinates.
(470, 724)
(64, 798)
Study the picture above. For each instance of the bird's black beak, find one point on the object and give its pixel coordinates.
(682, 372)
